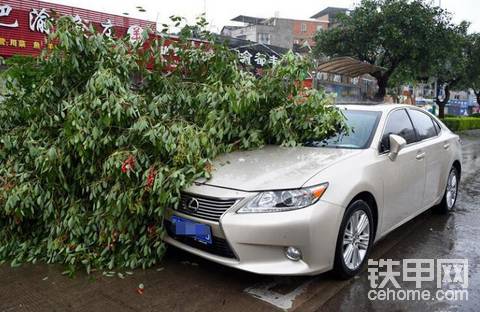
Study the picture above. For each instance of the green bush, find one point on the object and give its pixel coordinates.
(94, 147)
(462, 123)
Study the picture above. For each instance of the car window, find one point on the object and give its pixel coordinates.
(362, 126)
(398, 123)
(437, 126)
(423, 124)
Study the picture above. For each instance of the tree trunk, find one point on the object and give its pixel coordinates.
(477, 94)
(382, 81)
(441, 103)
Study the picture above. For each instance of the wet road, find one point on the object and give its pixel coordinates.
(187, 283)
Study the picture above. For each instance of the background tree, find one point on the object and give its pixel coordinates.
(450, 64)
(472, 67)
(394, 34)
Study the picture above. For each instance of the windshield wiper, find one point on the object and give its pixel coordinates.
(320, 144)
(315, 144)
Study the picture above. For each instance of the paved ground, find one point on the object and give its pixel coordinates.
(188, 283)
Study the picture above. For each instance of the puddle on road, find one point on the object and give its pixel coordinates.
(279, 293)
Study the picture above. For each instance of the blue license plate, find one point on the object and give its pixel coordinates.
(200, 232)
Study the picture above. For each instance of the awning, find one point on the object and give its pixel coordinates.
(348, 66)
(248, 19)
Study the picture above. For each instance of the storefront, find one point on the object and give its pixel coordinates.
(23, 31)
(23, 25)
(253, 56)
(461, 107)
(347, 79)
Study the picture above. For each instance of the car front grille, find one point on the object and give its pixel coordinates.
(218, 247)
(207, 208)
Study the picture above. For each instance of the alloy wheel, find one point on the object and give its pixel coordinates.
(356, 239)
(452, 189)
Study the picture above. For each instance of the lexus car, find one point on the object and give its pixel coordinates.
(320, 206)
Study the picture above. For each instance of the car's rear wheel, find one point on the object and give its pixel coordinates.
(354, 239)
(451, 191)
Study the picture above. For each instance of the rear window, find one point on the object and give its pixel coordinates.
(423, 124)
(437, 126)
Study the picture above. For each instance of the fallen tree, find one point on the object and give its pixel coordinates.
(94, 146)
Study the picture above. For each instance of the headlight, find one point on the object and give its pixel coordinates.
(277, 201)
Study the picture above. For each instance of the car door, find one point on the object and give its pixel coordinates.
(432, 145)
(403, 178)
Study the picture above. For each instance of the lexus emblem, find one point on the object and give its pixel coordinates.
(193, 204)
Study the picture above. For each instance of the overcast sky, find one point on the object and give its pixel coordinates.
(219, 12)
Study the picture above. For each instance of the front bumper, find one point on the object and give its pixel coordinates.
(258, 240)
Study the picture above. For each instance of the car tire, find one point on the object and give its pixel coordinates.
(343, 268)
(451, 192)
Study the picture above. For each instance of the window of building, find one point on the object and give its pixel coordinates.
(271, 22)
(263, 38)
(319, 27)
(304, 27)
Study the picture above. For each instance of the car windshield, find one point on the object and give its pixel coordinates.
(361, 125)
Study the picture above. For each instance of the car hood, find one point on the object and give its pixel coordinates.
(273, 167)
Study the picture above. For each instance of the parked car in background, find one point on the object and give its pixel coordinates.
(321, 206)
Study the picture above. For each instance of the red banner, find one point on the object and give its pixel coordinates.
(23, 27)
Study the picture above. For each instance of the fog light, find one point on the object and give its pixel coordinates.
(293, 253)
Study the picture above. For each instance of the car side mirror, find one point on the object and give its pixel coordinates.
(396, 145)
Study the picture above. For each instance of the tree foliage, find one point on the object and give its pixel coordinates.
(449, 68)
(472, 67)
(400, 36)
(94, 147)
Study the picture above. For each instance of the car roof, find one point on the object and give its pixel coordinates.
(383, 107)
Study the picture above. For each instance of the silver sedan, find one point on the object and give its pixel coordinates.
(321, 206)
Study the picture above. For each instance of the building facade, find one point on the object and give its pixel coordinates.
(23, 25)
(330, 15)
(281, 32)
(304, 31)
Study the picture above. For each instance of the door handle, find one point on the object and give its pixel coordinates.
(420, 156)
(446, 145)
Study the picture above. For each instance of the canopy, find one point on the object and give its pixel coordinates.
(348, 66)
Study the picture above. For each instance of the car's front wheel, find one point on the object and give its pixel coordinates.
(451, 191)
(354, 239)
